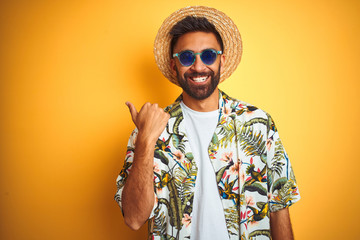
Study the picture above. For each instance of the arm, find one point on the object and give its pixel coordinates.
(138, 193)
(280, 225)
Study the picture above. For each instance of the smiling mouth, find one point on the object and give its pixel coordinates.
(199, 79)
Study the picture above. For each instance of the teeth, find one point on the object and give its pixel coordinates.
(199, 79)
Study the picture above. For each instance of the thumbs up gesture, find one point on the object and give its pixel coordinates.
(150, 120)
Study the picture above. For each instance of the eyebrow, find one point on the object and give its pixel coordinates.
(197, 52)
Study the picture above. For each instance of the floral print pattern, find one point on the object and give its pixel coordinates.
(253, 172)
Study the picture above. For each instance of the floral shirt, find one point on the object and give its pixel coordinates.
(253, 173)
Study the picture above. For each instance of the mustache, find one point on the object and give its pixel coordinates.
(198, 74)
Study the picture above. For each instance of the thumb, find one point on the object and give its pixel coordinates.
(132, 110)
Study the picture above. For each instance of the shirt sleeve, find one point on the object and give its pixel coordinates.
(282, 187)
(121, 179)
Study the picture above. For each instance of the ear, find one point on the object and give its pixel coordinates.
(222, 63)
(173, 66)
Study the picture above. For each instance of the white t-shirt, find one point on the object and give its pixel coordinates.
(207, 219)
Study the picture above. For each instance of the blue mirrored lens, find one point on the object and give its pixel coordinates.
(187, 58)
(208, 56)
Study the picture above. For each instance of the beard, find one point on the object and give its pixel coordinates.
(199, 92)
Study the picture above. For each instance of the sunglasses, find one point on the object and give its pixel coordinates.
(187, 57)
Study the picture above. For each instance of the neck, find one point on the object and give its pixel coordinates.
(206, 105)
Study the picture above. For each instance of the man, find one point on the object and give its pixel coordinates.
(209, 166)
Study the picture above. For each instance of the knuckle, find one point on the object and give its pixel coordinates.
(146, 106)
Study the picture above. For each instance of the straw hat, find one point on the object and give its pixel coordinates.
(224, 25)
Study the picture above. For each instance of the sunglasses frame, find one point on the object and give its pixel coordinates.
(194, 54)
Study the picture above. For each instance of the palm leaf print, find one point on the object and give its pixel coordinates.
(159, 223)
(292, 175)
(220, 173)
(177, 141)
(256, 120)
(278, 184)
(160, 155)
(175, 110)
(256, 233)
(232, 220)
(279, 152)
(184, 182)
(175, 206)
(270, 125)
(277, 163)
(256, 187)
(215, 140)
(178, 120)
(285, 195)
(251, 143)
(228, 132)
(189, 156)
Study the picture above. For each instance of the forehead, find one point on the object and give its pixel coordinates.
(196, 41)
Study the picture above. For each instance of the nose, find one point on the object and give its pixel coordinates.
(198, 65)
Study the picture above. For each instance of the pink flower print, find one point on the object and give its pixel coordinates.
(186, 220)
(234, 169)
(156, 167)
(242, 177)
(226, 111)
(250, 200)
(269, 143)
(269, 195)
(227, 156)
(179, 156)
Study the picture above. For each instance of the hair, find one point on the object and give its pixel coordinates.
(193, 24)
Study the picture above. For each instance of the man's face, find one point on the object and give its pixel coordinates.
(199, 80)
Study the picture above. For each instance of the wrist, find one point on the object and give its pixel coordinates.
(145, 140)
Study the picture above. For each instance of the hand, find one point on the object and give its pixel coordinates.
(150, 121)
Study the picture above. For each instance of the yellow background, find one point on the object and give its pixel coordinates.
(67, 67)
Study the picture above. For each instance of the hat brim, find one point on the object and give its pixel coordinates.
(224, 25)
